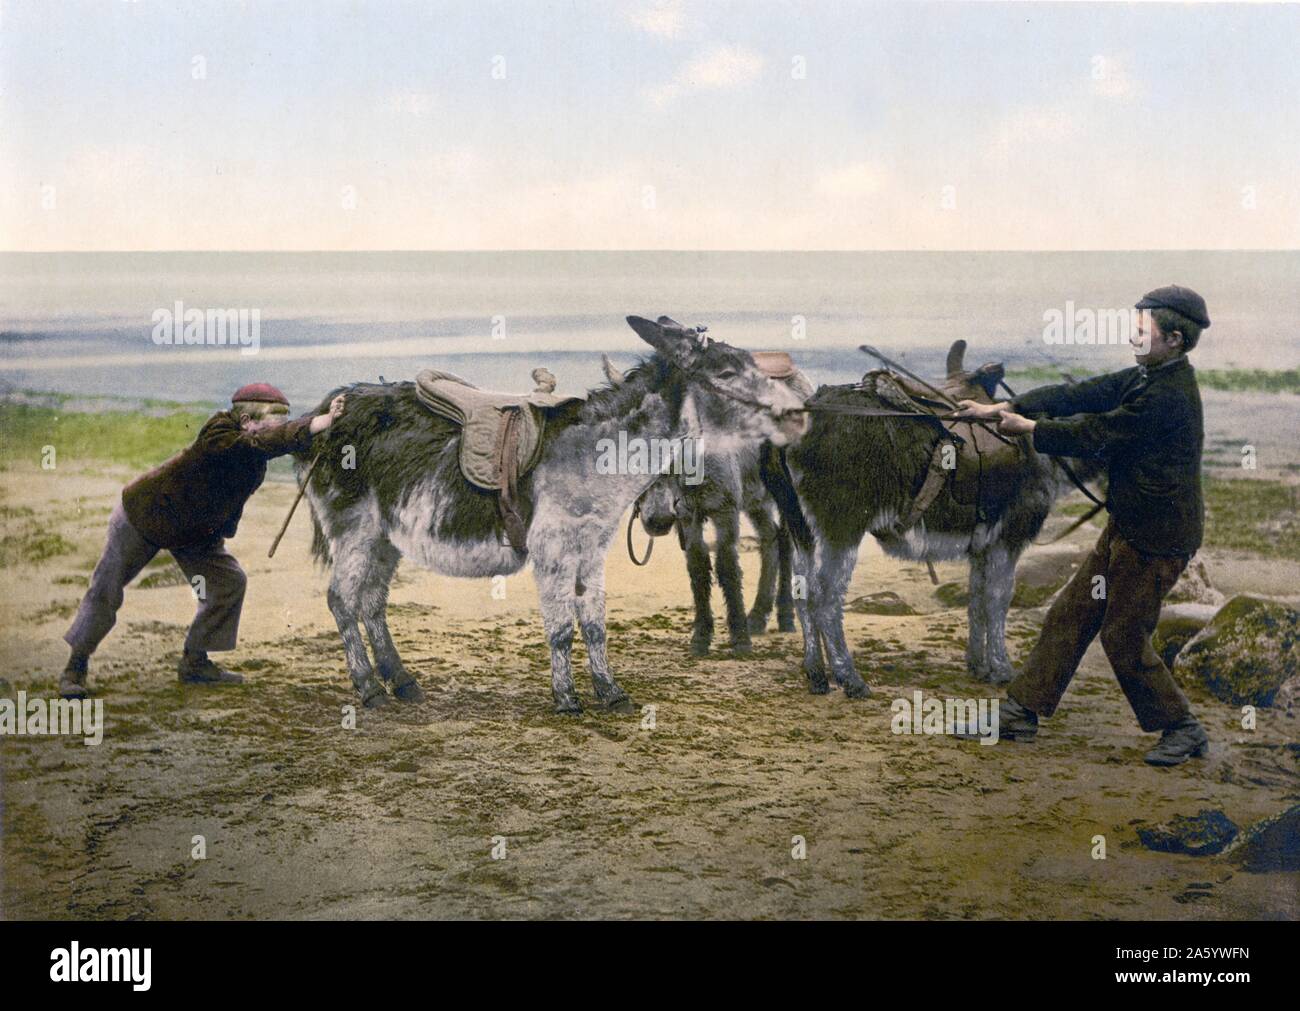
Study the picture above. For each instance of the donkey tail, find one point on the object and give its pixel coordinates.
(320, 545)
(775, 474)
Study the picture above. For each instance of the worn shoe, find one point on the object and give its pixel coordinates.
(1179, 743)
(72, 682)
(202, 671)
(1015, 723)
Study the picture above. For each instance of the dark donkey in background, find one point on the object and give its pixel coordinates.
(852, 475)
(729, 485)
(406, 497)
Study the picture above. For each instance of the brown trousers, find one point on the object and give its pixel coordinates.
(1125, 614)
(220, 590)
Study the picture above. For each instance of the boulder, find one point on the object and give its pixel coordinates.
(1194, 586)
(1204, 834)
(1178, 624)
(1270, 845)
(953, 594)
(1043, 571)
(1245, 653)
(1288, 697)
(884, 602)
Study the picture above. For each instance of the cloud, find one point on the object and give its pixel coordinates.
(720, 69)
(1030, 128)
(408, 103)
(860, 179)
(664, 18)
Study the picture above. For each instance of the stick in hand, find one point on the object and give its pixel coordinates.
(301, 491)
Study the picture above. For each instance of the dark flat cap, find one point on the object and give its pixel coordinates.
(259, 393)
(1181, 300)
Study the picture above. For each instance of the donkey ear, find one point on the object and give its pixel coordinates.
(611, 371)
(674, 343)
(956, 355)
(668, 323)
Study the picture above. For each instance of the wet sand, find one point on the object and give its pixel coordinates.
(600, 815)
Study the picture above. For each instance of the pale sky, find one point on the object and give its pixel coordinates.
(647, 124)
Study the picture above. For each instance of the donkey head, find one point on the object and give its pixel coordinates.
(661, 506)
(730, 396)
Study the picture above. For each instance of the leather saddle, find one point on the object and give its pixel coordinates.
(500, 437)
(987, 467)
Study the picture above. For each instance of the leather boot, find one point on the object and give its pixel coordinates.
(72, 682)
(1179, 743)
(1015, 723)
(197, 669)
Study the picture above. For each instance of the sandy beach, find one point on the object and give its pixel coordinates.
(692, 808)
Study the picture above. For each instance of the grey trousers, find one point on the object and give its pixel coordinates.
(215, 578)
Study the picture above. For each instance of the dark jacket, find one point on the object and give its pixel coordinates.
(1147, 425)
(198, 495)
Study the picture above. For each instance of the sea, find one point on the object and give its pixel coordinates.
(87, 323)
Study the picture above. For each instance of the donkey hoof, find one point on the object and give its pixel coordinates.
(817, 683)
(786, 624)
(699, 647)
(409, 691)
(857, 690)
(742, 647)
(620, 704)
(1002, 675)
(375, 700)
(757, 624)
(568, 705)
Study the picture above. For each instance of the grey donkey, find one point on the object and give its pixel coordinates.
(405, 496)
(853, 475)
(728, 486)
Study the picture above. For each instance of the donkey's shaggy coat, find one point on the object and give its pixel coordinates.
(388, 485)
(854, 475)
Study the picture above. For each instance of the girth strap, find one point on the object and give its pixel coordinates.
(935, 476)
(507, 456)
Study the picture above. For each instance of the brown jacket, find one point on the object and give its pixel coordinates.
(198, 495)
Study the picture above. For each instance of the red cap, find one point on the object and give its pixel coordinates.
(259, 393)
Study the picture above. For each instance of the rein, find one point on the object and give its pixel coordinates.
(1074, 479)
(631, 553)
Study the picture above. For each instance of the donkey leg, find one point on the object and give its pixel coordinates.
(767, 553)
(590, 606)
(784, 592)
(556, 579)
(836, 570)
(700, 571)
(352, 563)
(805, 599)
(977, 640)
(374, 615)
(731, 579)
(1000, 585)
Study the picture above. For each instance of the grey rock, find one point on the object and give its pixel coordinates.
(1203, 834)
(1270, 845)
(884, 602)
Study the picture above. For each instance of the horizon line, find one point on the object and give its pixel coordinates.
(1130, 249)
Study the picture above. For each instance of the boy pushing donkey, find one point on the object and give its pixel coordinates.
(189, 506)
